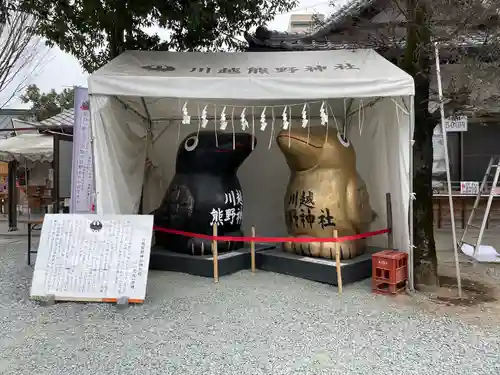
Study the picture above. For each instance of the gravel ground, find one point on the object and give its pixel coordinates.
(261, 324)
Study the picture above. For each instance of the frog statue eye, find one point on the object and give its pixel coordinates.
(343, 140)
(191, 143)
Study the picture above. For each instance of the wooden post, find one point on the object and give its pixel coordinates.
(215, 255)
(337, 261)
(252, 251)
(390, 235)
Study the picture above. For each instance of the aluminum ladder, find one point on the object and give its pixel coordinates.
(494, 163)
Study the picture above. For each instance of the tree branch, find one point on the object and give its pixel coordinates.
(21, 54)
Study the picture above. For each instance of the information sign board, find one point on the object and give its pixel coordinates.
(469, 187)
(456, 124)
(82, 177)
(87, 257)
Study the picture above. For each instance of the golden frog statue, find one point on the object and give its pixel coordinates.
(324, 193)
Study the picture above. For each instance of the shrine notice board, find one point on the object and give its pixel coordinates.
(88, 257)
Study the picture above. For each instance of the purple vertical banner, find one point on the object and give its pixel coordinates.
(82, 173)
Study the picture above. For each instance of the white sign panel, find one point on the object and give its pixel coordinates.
(456, 124)
(469, 187)
(82, 176)
(93, 257)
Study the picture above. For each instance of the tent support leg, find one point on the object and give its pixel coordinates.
(13, 196)
(411, 277)
(149, 142)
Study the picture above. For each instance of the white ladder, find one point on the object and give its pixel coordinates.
(494, 163)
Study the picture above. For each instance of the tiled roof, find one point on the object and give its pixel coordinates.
(312, 41)
(6, 118)
(483, 47)
(295, 44)
(350, 9)
(60, 123)
(14, 112)
(65, 118)
(274, 40)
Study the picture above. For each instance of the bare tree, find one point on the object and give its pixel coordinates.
(21, 52)
(405, 31)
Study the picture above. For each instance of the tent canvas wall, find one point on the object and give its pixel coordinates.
(136, 102)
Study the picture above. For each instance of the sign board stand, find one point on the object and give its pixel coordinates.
(92, 258)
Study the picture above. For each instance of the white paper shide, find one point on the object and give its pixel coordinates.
(93, 257)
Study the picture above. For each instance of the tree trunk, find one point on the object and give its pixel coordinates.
(417, 62)
(425, 257)
(116, 40)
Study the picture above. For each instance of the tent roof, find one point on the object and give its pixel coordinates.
(251, 75)
(32, 147)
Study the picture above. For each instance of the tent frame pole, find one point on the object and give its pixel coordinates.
(148, 115)
(149, 143)
(13, 194)
(129, 108)
(411, 275)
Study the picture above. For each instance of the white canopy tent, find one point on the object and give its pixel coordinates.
(34, 152)
(27, 148)
(136, 105)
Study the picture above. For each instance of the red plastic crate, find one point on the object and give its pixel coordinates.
(383, 287)
(389, 271)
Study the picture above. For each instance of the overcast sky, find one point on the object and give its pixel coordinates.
(62, 70)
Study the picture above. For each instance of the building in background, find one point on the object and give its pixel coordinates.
(470, 151)
(353, 25)
(304, 23)
(7, 116)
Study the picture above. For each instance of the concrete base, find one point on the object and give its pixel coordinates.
(202, 265)
(316, 269)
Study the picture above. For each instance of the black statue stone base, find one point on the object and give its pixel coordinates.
(202, 265)
(316, 269)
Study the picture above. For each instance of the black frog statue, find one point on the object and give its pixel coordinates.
(204, 191)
